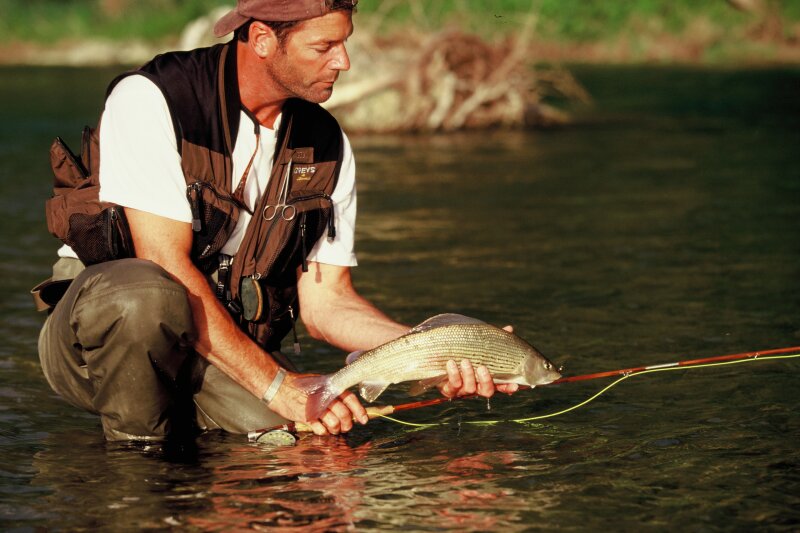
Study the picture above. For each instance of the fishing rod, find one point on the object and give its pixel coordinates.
(692, 362)
(385, 410)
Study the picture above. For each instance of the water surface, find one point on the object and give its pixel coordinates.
(663, 225)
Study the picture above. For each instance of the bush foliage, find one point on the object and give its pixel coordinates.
(49, 21)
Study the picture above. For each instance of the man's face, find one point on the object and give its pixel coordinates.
(308, 62)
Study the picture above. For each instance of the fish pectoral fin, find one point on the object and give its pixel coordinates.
(352, 356)
(424, 385)
(370, 390)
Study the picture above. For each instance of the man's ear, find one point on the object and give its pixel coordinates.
(262, 39)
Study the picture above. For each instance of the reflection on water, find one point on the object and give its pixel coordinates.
(662, 226)
(321, 485)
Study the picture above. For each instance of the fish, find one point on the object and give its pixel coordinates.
(421, 356)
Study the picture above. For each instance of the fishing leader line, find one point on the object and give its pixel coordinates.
(596, 395)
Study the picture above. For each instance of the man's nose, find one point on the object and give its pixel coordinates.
(341, 60)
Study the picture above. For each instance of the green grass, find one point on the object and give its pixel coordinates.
(51, 21)
(590, 21)
(571, 20)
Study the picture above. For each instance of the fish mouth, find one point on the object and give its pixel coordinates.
(550, 376)
(548, 379)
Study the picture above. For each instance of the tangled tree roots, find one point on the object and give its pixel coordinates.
(454, 81)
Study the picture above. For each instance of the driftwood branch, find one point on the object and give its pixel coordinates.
(452, 81)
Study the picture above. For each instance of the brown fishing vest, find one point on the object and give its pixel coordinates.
(201, 91)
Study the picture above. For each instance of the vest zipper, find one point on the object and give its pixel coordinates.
(195, 196)
(294, 331)
(195, 204)
(303, 240)
(113, 223)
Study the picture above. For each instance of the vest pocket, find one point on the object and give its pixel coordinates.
(214, 217)
(279, 249)
(96, 231)
(100, 237)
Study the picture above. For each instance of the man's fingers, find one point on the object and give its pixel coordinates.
(464, 380)
(318, 428)
(344, 415)
(331, 422)
(453, 383)
(507, 388)
(356, 409)
(454, 376)
(468, 378)
(341, 413)
(485, 384)
(338, 417)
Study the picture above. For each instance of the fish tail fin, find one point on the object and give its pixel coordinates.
(320, 392)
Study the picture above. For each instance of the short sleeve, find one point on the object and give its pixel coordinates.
(340, 251)
(140, 166)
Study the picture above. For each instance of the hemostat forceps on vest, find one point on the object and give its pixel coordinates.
(287, 211)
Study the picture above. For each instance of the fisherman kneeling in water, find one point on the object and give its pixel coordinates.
(230, 210)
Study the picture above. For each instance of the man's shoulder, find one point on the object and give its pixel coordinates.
(169, 70)
(185, 59)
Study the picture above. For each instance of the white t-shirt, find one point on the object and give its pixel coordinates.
(140, 167)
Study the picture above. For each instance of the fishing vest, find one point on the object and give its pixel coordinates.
(202, 93)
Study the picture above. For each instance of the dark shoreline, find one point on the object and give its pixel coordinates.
(663, 49)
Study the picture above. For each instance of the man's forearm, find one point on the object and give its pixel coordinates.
(352, 323)
(221, 341)
(333, 311)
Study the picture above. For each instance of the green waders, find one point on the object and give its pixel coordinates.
(118, 345)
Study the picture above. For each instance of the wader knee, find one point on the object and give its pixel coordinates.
(224, 404)
(130, 327)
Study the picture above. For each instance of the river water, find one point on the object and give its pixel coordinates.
(662, 225)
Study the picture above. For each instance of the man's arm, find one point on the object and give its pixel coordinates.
(168, 243)
(334, 312)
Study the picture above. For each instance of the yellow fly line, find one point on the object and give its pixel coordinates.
(596, 395)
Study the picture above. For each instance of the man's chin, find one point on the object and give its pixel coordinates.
(318, 97)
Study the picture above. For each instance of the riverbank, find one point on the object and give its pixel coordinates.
(652, 49)
(104, 32)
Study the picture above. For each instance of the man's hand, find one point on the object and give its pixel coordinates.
(464, 380)
(290, 402)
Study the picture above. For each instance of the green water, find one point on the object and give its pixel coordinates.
(662, 226)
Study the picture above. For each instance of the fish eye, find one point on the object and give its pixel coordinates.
(547, 365)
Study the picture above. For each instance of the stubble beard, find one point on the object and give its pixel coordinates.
(286, 77)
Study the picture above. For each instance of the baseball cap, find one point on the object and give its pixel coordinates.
(276, 11)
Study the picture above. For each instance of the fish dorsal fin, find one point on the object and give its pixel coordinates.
(352, 356)
(446, 319)
(370, 390)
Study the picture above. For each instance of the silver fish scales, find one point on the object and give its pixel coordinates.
(422, 354)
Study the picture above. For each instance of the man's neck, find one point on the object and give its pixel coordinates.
(255, 91)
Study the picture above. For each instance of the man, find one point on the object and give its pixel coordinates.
(215, 154)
